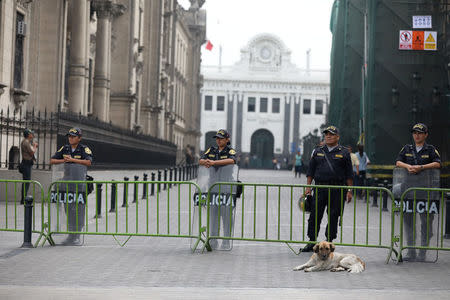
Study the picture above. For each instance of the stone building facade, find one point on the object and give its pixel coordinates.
(266, 103)
(130, 64)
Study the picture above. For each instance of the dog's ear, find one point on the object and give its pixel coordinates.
(316, 248)
(332, 247)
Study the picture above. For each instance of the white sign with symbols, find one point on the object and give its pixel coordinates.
(422, 22)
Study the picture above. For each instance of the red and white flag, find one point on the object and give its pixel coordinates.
(209, 45)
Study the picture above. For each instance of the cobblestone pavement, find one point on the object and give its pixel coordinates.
(165, 268)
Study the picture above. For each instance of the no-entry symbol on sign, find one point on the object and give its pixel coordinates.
(405, 42)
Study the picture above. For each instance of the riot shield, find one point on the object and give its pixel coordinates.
(221, 205)
(68, 203)
(420, 209)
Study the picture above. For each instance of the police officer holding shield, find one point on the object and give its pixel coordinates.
(219, 156)
(72, 154)
(330, 164)
(415, 158)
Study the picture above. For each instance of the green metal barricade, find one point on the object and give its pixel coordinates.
(421, 211)
(123, 209)
(12, 210)
(270, 213)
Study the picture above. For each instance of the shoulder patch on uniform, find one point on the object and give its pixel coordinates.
(87, 150)
(232, 152)
(60, 149)
(437, 153)
(207, 151)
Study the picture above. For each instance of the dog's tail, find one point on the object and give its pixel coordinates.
(358, 267)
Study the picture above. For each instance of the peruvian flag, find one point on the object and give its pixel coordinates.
(209, 45)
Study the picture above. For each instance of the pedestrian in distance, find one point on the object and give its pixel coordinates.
(72, 154)
(415, 158)
(219, 156)
(364, 161)
(298, 164)
(329, 165)
(28, 147)
(355, 164)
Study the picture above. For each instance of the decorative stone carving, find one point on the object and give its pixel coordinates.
(19, 97)
(24, 3)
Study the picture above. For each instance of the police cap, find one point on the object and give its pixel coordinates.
(222, 134)
(74, 132)
(331, 129)
(27, 132)
(420, 127)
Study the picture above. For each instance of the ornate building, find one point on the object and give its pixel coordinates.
(266, 103)
(126, 71)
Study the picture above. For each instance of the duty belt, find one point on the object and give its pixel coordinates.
(331, 182)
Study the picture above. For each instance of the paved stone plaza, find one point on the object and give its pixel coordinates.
(165, 268)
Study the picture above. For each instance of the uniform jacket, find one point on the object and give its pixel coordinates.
(339, 158)
(81, 152)
(426, 155)
(213, 153)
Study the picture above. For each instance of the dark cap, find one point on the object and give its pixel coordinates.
(331, 129)
(420, 127)
(222, 134)
(74, 132)
(27, 132)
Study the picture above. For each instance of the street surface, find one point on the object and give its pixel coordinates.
(166, 268)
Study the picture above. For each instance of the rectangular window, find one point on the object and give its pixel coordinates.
(220, 103)
(263, 105)
(208, 102)
(18, 55)
(319, 107)
(251, 104)
(306, 106)
(275, 105)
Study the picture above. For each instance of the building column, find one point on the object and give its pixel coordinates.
(240, 107)
(287, 122)
(102, 60)
(79, 39)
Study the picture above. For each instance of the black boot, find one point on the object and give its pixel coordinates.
(308, 248)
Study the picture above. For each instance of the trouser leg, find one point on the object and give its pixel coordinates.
(213, 224)
(409, 229)
(227, 220)
(26, 176)
(317, 211)
(334, 211)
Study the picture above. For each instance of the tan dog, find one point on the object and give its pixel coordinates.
(325, 258)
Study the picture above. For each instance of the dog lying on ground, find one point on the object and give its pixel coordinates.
(324, 258)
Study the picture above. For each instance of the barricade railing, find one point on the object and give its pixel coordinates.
(419, 206)
(270, 213)
(164, 213)
(12, 209)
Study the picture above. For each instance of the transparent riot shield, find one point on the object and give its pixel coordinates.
(68, 204)
(420, 210)
(222, 203)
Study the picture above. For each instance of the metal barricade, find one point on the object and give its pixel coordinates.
(269, 213)
(166, 213)
(12, 211)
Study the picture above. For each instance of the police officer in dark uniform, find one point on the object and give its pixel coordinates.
(74, 153)
(219, 156)
(416, 158)
(330, 165)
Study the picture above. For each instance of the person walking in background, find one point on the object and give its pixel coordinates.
(363, 162)
(355, 164)
(298, 164)
(28, 147)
